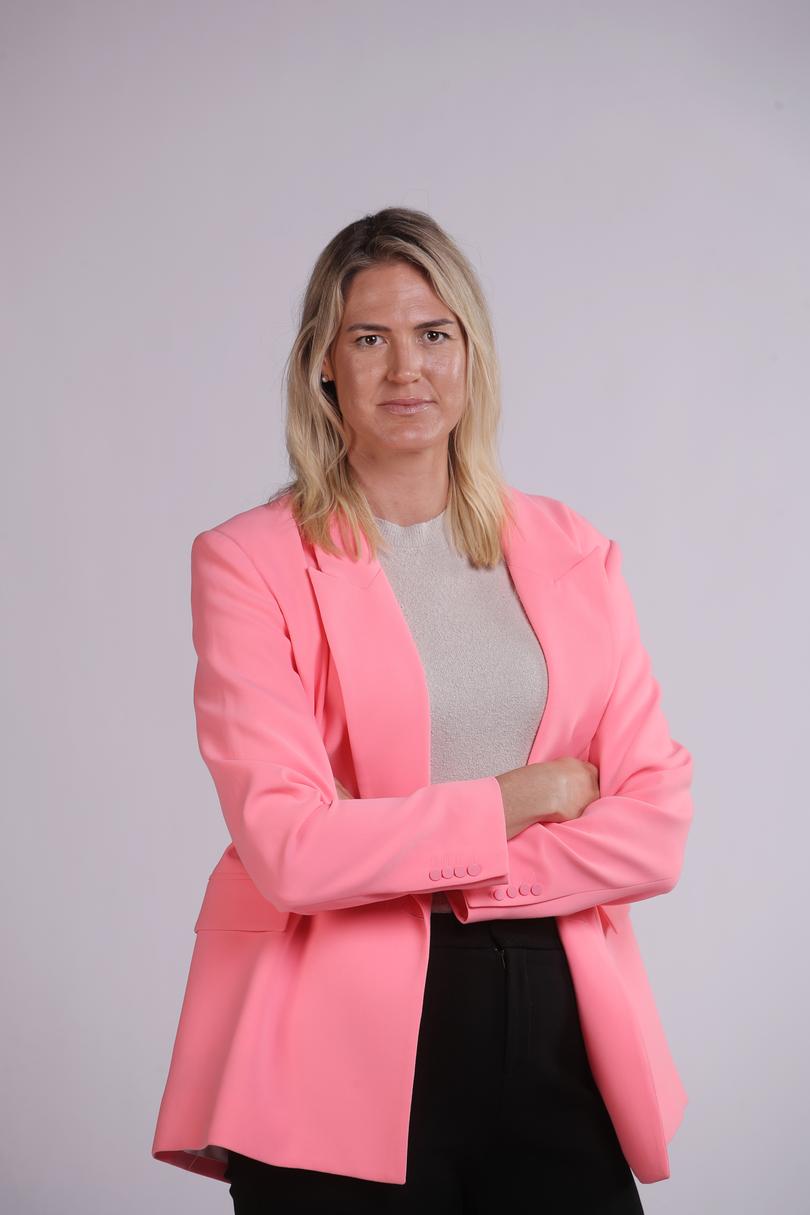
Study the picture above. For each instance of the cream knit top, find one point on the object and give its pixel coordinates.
(485, 669)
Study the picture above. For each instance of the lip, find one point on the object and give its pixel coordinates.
(407, 401)
(406, 405)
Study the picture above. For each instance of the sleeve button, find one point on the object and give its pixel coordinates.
(473, 869)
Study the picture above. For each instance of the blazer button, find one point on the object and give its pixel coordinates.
(499, 893)
(536, 887)
(435, 874)
(473, 869)
(460, 871)
(524, 887)
(511, 891)
(447, 871)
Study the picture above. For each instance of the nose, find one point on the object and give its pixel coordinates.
(403, 377)
(404, 365)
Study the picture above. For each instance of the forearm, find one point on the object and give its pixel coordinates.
(621, 849)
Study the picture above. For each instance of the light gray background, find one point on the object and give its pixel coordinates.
(632, 182)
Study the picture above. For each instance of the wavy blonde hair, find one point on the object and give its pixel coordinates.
(323, 485)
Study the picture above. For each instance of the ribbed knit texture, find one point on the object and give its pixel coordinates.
(485, 671)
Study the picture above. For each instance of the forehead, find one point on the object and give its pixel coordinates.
(397, 289)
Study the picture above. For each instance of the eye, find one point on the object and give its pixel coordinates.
(367, 338)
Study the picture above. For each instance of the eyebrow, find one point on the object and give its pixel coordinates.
(385, 328)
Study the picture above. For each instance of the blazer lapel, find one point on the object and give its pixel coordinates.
(564, 594)
(379, 667)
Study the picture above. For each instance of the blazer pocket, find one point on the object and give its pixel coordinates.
(232, 902)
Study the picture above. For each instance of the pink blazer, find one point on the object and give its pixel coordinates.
(298, 1030)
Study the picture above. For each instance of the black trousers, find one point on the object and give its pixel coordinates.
(505, 1108)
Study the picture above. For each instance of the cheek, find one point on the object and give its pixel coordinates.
(357, 372)
(448, 365)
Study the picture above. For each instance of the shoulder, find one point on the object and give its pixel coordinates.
(562, 521)
(265, 534)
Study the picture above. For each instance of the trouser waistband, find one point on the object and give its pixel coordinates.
(539, 932)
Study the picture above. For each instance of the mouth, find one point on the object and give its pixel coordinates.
(406, 405)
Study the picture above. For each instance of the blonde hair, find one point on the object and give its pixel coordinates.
(323, 484)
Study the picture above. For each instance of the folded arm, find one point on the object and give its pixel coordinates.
(305, 848)
(629, 843)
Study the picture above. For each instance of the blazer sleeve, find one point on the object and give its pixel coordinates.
(305, 848)
(629, 843)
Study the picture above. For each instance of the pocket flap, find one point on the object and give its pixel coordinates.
(233, 902)
(613, 916)
(605, 918)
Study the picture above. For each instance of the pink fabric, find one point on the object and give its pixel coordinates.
(298, 1030)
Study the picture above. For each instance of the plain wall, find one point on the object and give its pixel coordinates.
(632, 182)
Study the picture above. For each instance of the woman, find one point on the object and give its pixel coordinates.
(439, 750)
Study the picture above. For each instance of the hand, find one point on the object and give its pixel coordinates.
(551, 792)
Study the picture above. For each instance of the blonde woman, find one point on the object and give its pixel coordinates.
(440, 753)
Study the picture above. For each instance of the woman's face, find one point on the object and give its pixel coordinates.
(397, 340)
